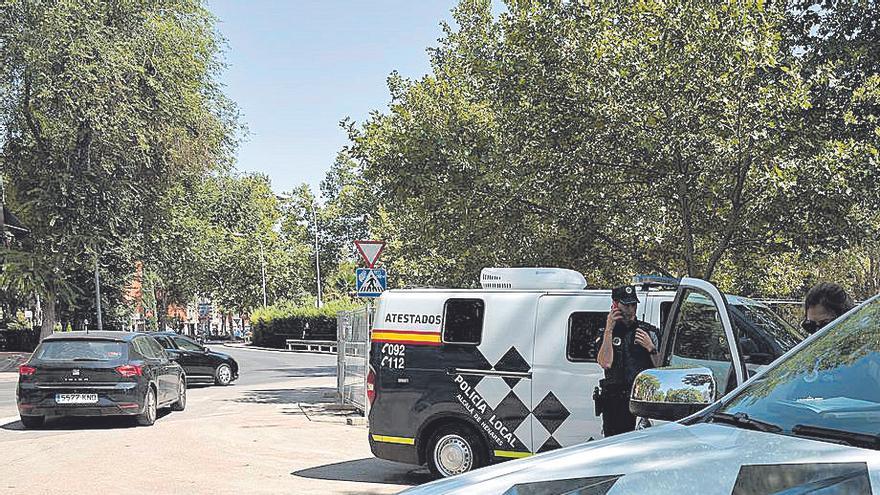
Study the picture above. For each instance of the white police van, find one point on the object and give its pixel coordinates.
(463, 378)
(807, 424)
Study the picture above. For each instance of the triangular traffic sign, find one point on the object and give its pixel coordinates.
(370, 250)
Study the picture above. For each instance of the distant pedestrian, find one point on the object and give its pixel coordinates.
(824, 303)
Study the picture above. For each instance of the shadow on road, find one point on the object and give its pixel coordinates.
(310, 395)
(294, 372)
(82, 423)
(370, 470)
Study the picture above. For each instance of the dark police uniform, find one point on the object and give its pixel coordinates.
(630, 359)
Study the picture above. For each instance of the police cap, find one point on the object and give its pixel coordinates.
(625, 294)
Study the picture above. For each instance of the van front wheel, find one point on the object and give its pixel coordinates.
(453, 450)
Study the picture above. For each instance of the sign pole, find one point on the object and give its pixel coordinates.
(317, 259)
(98, 294)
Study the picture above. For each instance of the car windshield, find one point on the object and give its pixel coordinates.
(831, 385)
(785, 335)
(80, 350)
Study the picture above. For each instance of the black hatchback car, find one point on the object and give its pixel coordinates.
(99, 374)
(202, 365)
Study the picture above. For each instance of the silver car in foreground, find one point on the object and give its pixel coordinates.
(808, 424)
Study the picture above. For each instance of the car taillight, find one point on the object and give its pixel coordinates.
(25, 370)
(130, 370)
(371, 385)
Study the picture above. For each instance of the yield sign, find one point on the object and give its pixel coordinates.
(370, 250)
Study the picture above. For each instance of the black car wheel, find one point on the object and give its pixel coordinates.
(32, 421)
(148, 417)
(180, 405)
(223, 375)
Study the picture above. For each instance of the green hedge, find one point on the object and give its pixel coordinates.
(273, 325)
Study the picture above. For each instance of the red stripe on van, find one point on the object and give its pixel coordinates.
(411, 332)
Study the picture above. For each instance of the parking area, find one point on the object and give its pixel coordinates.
(276, 430)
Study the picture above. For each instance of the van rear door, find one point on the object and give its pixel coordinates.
(565, 369)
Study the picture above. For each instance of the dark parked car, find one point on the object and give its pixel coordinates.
(99, 374)
(202, 365)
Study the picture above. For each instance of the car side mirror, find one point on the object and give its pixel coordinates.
(672, 393)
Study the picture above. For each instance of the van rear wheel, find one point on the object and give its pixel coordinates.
(455, 449)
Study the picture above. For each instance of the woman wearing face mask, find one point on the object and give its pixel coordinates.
(824, 303)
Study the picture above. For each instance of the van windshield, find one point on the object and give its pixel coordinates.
(828, 390)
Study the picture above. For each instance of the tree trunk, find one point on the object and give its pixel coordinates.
(48, 325)
(161, 310)
(686, 219)
(222, 323)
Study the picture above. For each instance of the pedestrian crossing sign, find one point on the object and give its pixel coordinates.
(371, 282)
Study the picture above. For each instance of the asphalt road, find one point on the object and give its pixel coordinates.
(256, 367)
(264, 367)
(275, 430)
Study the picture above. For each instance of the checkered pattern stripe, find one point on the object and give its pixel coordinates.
(509, 398)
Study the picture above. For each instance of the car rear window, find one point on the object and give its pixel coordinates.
(81, 350)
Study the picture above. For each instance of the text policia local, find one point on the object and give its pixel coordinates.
(477, 407)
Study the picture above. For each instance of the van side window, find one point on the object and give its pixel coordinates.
(584, 334)
(463, 321)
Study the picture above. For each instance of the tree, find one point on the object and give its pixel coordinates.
(612, 138)
(104, 104)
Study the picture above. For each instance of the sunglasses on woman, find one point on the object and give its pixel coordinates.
(813, 326)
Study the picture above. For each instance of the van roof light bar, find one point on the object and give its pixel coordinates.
(647, 281)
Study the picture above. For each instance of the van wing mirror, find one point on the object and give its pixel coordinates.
(672, 393)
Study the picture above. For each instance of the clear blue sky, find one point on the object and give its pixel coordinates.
(298, 67)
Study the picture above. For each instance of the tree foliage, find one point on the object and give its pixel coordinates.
(104, 106)
(689, 138)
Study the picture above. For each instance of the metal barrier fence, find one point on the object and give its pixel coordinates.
(321, 346)
(353, 356)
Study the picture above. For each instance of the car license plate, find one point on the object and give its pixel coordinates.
(76, 398)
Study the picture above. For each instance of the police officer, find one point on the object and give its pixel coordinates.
(629, 346)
